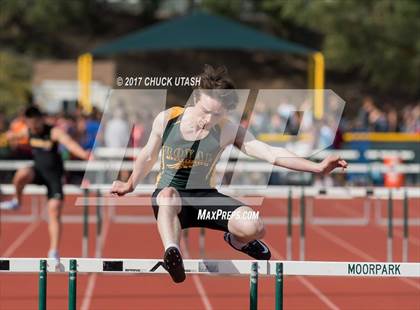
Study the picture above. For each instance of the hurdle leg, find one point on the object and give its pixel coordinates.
(85, 241)
(302, 226)
(99, 224)
(42, 290)
(289, 226)
(390, 227)
(73, 284)
(202, 242)
(405, 223)
(279, 286)
(253, 294)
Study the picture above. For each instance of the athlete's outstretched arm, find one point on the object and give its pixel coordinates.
(145, 160)
(63, 138)
(279, 156)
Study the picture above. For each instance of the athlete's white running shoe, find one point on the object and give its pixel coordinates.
(9, 204)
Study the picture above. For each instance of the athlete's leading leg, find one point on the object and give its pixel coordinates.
(22, 177)
(168, 223)
(54, 226)
(169, 227)
(245, 230)
(245, 227)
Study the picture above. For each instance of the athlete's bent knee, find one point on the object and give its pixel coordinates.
(168, 200)
(252, 229)
(22, 176)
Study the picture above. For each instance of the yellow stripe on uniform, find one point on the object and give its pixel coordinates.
(173, 113)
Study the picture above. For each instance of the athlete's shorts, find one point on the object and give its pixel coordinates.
(202, 208)
(52, 179)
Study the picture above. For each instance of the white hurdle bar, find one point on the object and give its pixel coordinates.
(216, 267)
(241, 166)
(252, 269)
(244, 190)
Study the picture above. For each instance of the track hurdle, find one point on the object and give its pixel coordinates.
(253, 269)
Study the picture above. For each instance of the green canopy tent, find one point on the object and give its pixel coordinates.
(200, 30)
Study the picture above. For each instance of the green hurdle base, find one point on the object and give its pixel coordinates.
(279, 286)
(253, 295)
(73, 284)
(72, 288)
(42, 299)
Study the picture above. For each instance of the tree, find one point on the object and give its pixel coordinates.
(15, 84)
(380, 39)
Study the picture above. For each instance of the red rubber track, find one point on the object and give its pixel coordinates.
(324, 243)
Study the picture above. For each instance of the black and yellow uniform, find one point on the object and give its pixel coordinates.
(189, 166)
(48, 165)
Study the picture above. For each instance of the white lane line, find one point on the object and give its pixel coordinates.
(349, 211)
(356, 251)
(89, 292)
(22, 237)
(343, 243)
(318, 293)
(337, 240)
(87, 298)
(307, 283)
(202, 292)
(197, 282)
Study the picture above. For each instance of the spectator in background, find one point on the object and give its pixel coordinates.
(64, 122)
(79, 131)
(259, 119)
(339, 135)
(117, 130)
(117, 133)
(393, 120)
(5, 176)
(89, 127)
(137, 132)
(324, 139)
(293, 123)
(326, 134)
(364, 114)
(147, 125)
(284, 110)
(4, 145)
(85, 129)
(20, 147)
(92, 123)
(411, 119)
(377, 121)
(275, 124)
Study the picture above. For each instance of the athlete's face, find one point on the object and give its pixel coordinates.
(34, 124)
(209, 111)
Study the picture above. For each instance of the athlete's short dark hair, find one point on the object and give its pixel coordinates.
(218, 79)
(33, 112)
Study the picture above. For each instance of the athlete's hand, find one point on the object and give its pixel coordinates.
(91, 156)
(121, 188)
(330, 163)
